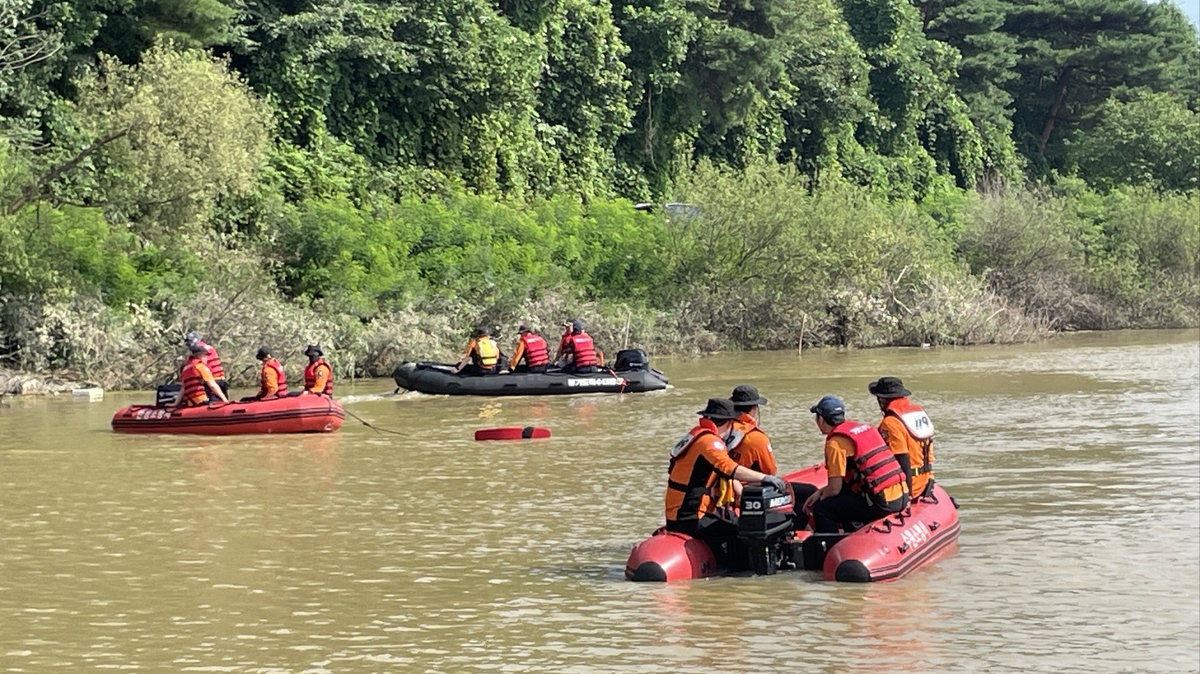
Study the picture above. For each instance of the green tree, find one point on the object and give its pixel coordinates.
(1075, 55)
(582, 107)
(920, 126)
(1151, 139)
(987, 65)
(828, 73)
(127, 28)
(448, 85)
(175, 132)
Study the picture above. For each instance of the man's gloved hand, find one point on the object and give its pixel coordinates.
(775, 481)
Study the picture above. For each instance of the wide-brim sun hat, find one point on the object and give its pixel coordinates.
(747, 396)
(888, 387)
(719, 409)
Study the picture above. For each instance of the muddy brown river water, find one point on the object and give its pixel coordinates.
(1075, 462)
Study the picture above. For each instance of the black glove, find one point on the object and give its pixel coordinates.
(775, 481)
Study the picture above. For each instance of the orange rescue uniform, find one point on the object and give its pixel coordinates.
(533, 347)
(212, 361)
(698, 460)
(750, 446)
(272, 379)
(483, 352)
(196, 378)
(318, 378)
(902, 440)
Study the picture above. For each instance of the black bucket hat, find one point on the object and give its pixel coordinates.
(887, 388)
(720, 409)
(746, 396)
(314, 349)
(263, 353)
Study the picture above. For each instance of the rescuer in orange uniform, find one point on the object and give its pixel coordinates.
(272, 380)
(866, 483)
(908, 432)
(698, 460)
(750, 447)
(533, 348)
(581, 354)
(211, 360)
(318, 376)
(482, 355)
(199, 386)
(748, 444)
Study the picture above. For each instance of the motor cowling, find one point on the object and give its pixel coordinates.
(766, 512)
(631, 360)
(764, 525)
(167, 395)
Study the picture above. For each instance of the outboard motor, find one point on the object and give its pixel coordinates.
(167, 395)
(764, 525)
(631, 360)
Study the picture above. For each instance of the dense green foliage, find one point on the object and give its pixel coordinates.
(381, 175)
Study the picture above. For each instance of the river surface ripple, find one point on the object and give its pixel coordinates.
(1075, 462)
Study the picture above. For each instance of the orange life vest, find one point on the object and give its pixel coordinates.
(280, 378)
(310, 377)
(195, 390)
(536, 350)
(584, 350)
(213, 361)
(743, 429)
(875, 468)
(920, 436)
(690, 476)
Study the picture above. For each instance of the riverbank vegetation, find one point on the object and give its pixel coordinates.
(382, 176)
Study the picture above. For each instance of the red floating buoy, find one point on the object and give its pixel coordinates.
(512, 433)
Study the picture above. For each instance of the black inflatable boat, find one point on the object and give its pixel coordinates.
(631, 374)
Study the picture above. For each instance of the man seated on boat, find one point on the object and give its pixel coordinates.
(581, 354)
(908, 431)
(697, 462)
(272, 380)
(211, 360)
(532, 350)
(199, 385)
(318, 376)
(482, 355)
(866, 483)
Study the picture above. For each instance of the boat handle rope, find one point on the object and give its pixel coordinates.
(371, 426)
(614, 374)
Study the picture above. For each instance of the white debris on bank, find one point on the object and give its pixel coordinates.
(21, 384)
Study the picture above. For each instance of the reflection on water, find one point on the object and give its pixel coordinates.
(1075, 462)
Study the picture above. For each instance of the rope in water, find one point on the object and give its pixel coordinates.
(371, 426)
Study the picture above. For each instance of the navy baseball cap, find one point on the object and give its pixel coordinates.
(830, 408)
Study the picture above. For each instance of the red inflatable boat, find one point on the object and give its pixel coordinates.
(885, 550)
(295, 414)
(892, 547)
